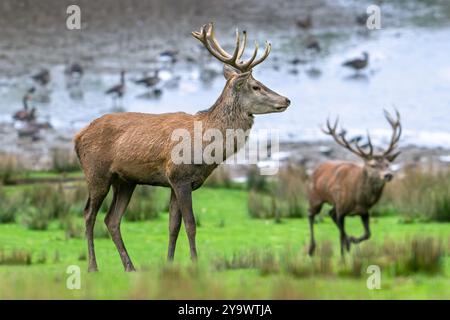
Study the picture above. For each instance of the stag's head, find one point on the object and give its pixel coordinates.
(378, 165)
(252, 95)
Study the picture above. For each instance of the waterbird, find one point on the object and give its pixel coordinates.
(42, 77)
(168, 56)
(149, 81)
(357, 63)
(74, 70)
(312, 43)
(305, 23)
(25, 114)
(361, 19)
(118, 90)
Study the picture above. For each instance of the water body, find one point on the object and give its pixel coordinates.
(409, 70)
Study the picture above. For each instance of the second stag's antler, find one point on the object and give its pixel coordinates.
(207, 37)
(351, 146)
(396, 133)
(359, 150)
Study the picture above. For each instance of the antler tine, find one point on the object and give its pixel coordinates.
(244, 43)
(205, 34)
(369, 142)
(211, 35)
(396, 131)
(266, 53)
(199, 34)
(235, 56)
(247, 65)
(330, 130)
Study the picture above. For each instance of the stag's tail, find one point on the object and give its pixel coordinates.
(77, 140)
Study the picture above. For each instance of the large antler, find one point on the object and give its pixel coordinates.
(351, 146)
(396, 133)
(207, 37)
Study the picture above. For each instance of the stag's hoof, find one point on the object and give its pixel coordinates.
(347, 244)
(130, 268)
(93, 269)
(354, 240)
(311, 250)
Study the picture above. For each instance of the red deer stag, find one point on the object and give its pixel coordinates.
(350, 188)
(127, 149)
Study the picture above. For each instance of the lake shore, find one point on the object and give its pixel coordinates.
(37, 154)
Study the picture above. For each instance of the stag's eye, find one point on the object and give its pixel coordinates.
(256, 88)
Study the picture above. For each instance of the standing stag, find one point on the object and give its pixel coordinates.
(352, 189)
(127, 149)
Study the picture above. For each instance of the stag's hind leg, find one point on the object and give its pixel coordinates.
(313, 211)
(345, 242)
(122, 195)
(96, 197)
(174, 225)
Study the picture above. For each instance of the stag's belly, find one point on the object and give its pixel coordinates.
(157, 174)
(141, 173)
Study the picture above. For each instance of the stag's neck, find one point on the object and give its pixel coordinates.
(227, 113)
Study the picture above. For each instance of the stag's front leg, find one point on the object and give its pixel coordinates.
(184, 198)
(365, 220)
(174, 225)
(344, 240)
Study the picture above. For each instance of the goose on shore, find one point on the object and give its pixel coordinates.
(312, 43)
(74, 70)
(305, 23)
(42, 77)
(168, 56)
(25, 114)
(149, 81)
(119, 89)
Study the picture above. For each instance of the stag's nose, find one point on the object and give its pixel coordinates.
(388, 176)
(288, 102)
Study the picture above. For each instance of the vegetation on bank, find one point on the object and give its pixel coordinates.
(252, 241)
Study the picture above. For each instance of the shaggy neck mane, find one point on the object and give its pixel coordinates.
(227, 113)
(374, 184)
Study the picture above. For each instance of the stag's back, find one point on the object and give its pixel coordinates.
(129, 143)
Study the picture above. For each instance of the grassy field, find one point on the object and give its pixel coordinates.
(239, 257)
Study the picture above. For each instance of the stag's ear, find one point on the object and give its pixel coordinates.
(392, 157)
(229, 72)
(240, 79)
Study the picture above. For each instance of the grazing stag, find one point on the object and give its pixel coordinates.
(127, 149)
(350, 188)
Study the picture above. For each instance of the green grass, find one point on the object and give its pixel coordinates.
(226, 229)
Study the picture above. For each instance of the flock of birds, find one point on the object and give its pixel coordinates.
(26, 120)
(312, 43)
(150, 82)
(27, 116)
